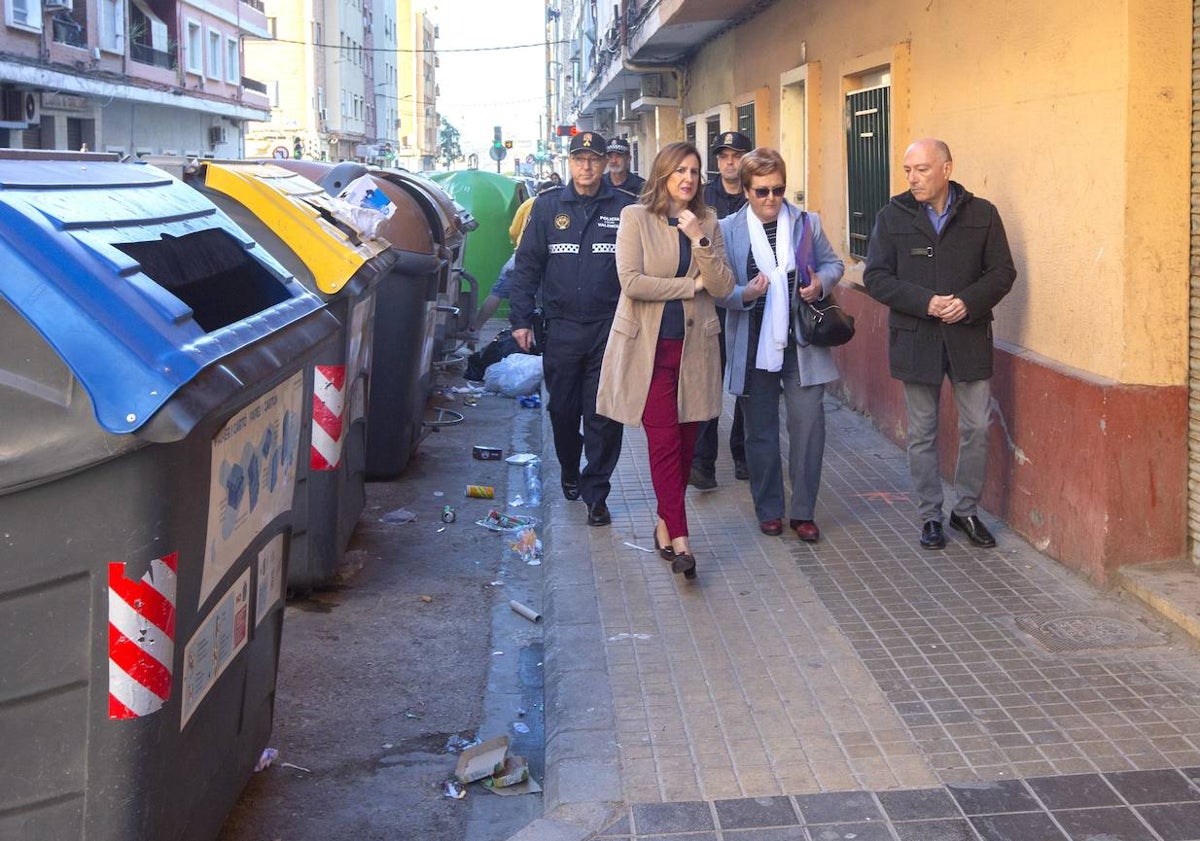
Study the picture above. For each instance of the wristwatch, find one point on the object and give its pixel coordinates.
(704, 242)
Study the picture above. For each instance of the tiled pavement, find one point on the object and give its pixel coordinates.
(860, 687)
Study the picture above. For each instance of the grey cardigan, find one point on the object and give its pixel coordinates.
(815, 364)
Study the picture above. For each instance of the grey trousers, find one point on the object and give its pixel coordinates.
(806, 437)
(973, 400)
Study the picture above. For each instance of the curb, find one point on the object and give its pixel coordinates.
(582, 786)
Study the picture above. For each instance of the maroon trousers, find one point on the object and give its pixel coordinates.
(671, 443)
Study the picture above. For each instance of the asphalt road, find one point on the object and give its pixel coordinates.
(415, 648)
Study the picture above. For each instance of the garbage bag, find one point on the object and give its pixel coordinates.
(496, 349)
(514, 375)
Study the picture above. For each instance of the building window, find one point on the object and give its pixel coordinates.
(214, 54)
(867, 175)
(233, 68)
(712, 127)
(745, 121)
(195, 48)
(24, 14)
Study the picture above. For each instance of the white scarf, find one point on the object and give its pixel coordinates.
(773, 337)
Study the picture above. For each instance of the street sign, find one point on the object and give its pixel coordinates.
(497, 153)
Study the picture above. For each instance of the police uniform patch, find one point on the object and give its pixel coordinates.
(562, 221)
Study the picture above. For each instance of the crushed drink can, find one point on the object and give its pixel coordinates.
(448, 514)
(481, 491)
(531, 401)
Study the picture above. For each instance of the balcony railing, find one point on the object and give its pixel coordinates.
(254, 85)
(255, 4)
(145, 54)
(68, 31)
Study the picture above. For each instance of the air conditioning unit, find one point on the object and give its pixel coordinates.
(22, 107)
(58, 5)
(216, 135)
(652, 84)
(605, 119)
(31, 107)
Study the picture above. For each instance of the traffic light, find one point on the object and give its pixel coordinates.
(568, 131)
(297, 148)
(507, 144)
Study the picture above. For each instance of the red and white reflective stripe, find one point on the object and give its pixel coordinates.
(141, 638)
(329, 404)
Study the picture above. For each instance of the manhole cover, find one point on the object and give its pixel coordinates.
(1085, 631)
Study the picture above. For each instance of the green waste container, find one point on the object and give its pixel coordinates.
(154, 410)
(492, 200)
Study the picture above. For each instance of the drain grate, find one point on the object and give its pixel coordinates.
(1064, 632)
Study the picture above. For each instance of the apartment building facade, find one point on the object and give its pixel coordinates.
(1074, 118)
(133, 77)
(347, 80)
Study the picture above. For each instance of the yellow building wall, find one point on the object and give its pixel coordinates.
(286, 63)
(1072, 117)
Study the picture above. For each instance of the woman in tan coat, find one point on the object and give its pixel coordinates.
(662, 365)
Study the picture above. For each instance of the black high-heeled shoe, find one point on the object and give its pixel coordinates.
(684, 562)
(667, 553)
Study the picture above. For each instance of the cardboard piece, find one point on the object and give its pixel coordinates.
(530, 786)
(515, 770)
(482, 760)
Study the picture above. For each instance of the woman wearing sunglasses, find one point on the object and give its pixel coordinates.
(662, 364)
(780, 256)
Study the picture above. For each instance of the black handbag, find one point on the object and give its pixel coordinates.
(822, 323)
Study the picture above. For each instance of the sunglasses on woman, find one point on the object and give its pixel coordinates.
(763, 192)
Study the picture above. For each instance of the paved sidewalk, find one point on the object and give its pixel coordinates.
(857, 687)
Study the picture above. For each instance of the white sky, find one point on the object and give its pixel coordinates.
(504, 88)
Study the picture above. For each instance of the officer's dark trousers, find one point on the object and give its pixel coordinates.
(571, 364)
(706, 438)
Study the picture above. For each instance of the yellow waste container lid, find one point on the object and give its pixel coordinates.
(317, 226)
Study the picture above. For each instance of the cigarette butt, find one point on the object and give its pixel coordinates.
(526, 611)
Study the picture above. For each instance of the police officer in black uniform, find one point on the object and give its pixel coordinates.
(726, 196)
(618, 173)
(569, 251)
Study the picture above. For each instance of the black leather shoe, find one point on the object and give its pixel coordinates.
(667, 552)
(684, 563)
(974, 529)
(598, 514)
(741, 471)
(932, 536)
(571, 489)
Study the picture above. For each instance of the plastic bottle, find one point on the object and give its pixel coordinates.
(533, 483)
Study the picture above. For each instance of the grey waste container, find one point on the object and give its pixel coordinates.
(457, 292)
(405, 317)
(154, 410)
(333, 255)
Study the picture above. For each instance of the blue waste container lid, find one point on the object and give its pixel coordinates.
(91, 251)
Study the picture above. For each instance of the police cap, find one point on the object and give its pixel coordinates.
(589, 141)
